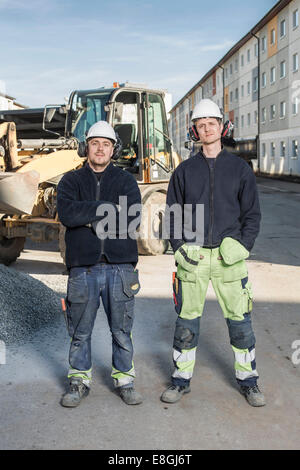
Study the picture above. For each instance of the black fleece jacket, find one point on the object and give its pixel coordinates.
(79, 197)
(229, 195)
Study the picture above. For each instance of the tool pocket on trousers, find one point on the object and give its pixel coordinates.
(77, 290)
(128, 316)
(177, 293)
(247, 296)
(234, 272)
(126, 284)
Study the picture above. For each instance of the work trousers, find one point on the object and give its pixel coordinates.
(234, 295)
(116, 285)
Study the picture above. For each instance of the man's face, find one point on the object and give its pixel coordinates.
(100, 151)
(209, 130)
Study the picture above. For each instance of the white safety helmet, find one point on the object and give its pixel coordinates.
(205, 109)
(102, 129)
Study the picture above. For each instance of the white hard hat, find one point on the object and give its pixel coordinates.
(206, 108)
(102, 129)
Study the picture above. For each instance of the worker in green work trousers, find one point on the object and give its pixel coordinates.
(225, 186)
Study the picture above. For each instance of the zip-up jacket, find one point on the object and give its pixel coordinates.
(79, 196)
(229, 194)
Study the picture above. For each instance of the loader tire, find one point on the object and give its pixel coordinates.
(150, 241)
(10, 249)
(61, 242)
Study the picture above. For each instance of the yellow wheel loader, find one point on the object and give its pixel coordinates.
(38, 146)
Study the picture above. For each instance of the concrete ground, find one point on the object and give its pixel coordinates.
(214, 415)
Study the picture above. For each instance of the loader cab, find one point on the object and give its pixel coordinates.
(139, 118)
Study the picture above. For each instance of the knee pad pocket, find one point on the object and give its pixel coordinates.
(186, 333)
(241, 332)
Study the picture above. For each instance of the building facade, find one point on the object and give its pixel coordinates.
(257, 85)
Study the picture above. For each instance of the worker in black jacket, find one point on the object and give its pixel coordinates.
(214, 247)
(101, 255)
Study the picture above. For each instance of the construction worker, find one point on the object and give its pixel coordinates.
(225, 185)
(99, 266)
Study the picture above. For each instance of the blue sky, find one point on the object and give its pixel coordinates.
(51, 47)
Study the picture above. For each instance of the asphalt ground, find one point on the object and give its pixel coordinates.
(214, 415)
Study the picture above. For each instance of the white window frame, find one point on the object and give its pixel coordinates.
(263, 80)
(282, 69)
(272, 78)
(295, 18)
(272, 149)
(295, 149)
(272, 36)
(282, 109)
(282, 34)
(295, 62)
(263, 115)
(272, 112)
(263, 44)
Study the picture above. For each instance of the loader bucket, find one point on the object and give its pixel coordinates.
(18, 192)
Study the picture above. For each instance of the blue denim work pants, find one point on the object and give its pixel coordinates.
(116, 284)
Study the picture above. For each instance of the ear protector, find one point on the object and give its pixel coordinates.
(227, 131)
(82, 148)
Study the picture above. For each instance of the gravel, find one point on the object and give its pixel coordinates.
(26, 305)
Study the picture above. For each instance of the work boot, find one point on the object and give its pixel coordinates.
(253, 395)
(173, 393)
(77, 391)
(130, 396)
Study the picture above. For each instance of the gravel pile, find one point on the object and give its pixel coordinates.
(26, 305)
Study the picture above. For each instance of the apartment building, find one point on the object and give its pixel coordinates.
(257, 84)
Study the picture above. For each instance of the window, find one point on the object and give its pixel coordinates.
(282, 148)
(236, 122)
(248, 88)
(242, 121)
(230, 69)
(231, 96)
(263, 115)
(236, 94)
(295, 19)
(282, 69)
(226, 72)
(263, 44)
(295, 148)
(242, 90)
(295, 62)
(272, 149)
(242, 60)
(295, 106)
(282, 109)
(255, 117)
(282, 28)
(248, 119)
(263, 150)
(272, 112)
(255, 84)
(264, 80)
(272, 75)
(236, 65)
(272, 37)
(256, 49)
(248, 55)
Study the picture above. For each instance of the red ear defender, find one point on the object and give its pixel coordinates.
(194, 134)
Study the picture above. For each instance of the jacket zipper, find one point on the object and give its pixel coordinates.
(211, 203)
(101, 239)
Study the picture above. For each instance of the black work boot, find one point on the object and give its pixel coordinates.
(253, 395)
(174, 393)
(130, 396)
(77, 390)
